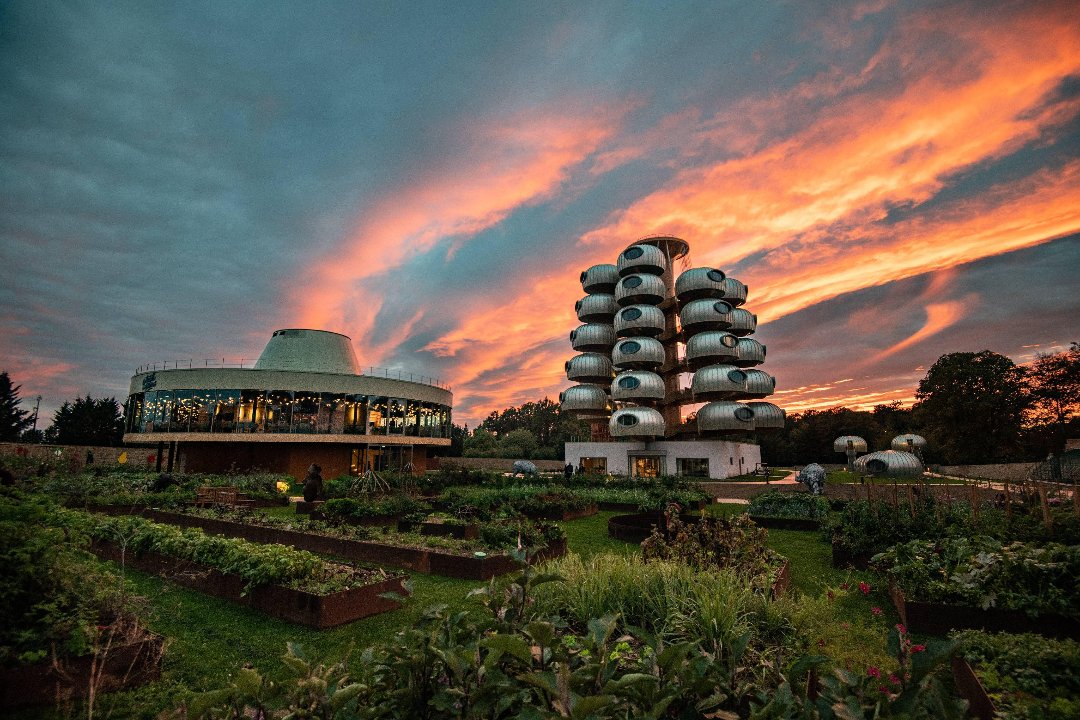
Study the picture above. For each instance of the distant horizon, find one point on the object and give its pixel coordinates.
(894, 181)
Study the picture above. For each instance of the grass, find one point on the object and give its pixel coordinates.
(210, 638)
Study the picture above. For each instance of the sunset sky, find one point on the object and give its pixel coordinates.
(893, 180)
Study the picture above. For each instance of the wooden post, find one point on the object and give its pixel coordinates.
(974, 503)
(1048, 518)
(1008, 501)
(911, 500)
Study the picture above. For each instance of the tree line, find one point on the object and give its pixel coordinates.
(83, 421)
(973, 408)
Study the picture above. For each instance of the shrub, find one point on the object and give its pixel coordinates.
(775, 504)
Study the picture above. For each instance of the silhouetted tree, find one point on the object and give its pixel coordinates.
(544, 419)
(13, 419)
(482, 443)
(87, 422)
(971, 407)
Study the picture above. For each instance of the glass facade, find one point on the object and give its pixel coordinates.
(284, 411)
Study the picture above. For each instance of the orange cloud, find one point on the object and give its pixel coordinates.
(498, 165)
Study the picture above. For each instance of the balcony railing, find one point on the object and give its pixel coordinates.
(369, 371)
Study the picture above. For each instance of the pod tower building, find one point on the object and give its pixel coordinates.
(654, 345)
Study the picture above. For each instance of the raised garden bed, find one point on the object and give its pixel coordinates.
(635, 527)
(368, 521)
(297, 606)
(460, 531)
(628, 507)
(426, 561)
(934, 618)
(125, 666)
(843, 558)
(786, 523)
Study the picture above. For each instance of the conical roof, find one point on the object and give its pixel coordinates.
(309, 351)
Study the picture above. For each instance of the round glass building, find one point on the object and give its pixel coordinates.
(304, 401)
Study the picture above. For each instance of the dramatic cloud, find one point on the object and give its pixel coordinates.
(894, 180)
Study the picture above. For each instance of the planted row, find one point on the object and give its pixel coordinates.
(796, 506)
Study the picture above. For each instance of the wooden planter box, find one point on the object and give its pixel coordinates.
(968, 685)
(782, 523)
(470, 531)
(636, 527)
(563, 514)
(933, 618)
(422, 560)
(783, 580)
(296, 606)
(125, 666)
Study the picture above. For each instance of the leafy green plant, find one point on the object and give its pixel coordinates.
(777, 504)
(984, 573)
(1026, 676)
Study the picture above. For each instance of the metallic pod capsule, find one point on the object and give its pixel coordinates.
(759, 384)
(600, 279)
(640, 290)
(589, 368)
(711, 347)
(699, 315)
(698, 283)
(725, 417)
(908, 443)
(749, 352)
(735, 291)
(585, 400)
(889, 463)
(646, 259)
(636, 422)
(718, 382)
(639, 320)
(598, 308)
(767, 416)
(641, 353)
(637, 386)
(743, 322)
(593, 337)
(840, 444)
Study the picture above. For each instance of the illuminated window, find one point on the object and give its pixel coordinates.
(692, 467)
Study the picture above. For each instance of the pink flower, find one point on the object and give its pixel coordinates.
(900, 628)
(830, 595)
(821, 643)
(894, 680)
(875, 610)
(883, 690)
(864, 588)
(917, 648)
(873, 672)
(845, 585)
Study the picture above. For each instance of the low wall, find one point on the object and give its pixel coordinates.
(1013, 472)
(75, 456)
(490, 464)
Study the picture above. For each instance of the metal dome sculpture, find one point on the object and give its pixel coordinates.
(813, 477)
(850, 445)
(652, 314)
(908, 442)
(889, 463)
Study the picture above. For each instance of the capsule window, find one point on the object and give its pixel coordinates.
(584, 275)
(566, 366)
(722, 307)
(737, 376)
(744, 413)
(729, 341)
(630, 347)
(631, 314)
(629, 383)
(716, 276)
(632, 282)
(633, 253)
(627, 420)
(577, 306)
(573, 335)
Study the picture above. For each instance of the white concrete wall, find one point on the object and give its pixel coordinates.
(726, 458)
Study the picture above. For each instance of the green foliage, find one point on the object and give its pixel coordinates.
(734, 544)
(389, 506)
(778, 504)
(55, 597)
(1027, 677)
(255, 563)
(491, 502)
(985, 573)
(87, 422)
(13, 419)
(970, 406)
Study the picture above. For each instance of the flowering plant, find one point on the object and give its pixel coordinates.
(282, 487)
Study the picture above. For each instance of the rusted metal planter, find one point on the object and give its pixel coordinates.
(126, 666)
(563, 514)
(934, 618)
(296, 606)
(968, 685)
(635, 507)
